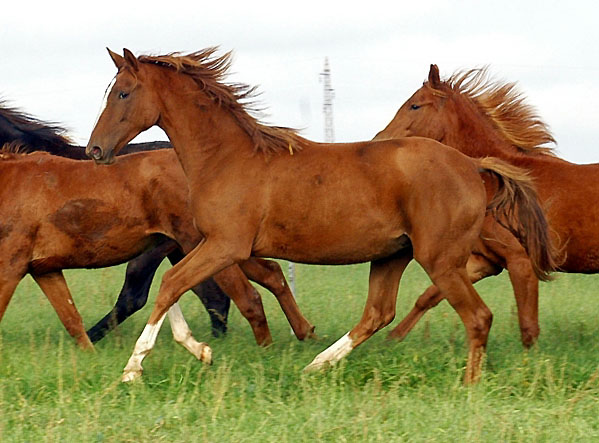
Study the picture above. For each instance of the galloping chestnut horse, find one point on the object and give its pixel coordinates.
(481, 117)
(30, 134)
(53, 218)
(266, 191)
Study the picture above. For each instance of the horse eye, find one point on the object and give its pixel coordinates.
(414, 107)
(123, 95)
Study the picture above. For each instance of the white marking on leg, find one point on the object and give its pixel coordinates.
(182, 335)
(143, 346)
(332, 354)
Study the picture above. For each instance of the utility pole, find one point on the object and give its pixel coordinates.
(327, 108)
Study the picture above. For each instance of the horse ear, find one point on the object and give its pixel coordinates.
(434, 78)
(131, 59)
(118, 60)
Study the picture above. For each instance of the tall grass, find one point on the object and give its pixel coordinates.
(51, 391)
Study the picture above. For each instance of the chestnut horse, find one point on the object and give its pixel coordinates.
(31, 135)
(53, 218)
(266, 191)
(482, 117)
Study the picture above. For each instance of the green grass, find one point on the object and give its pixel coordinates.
(51, 391)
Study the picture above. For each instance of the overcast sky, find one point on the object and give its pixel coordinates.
(54, 64)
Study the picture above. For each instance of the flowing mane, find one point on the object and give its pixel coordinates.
(505, 106)
(209, 72)
(18, 126)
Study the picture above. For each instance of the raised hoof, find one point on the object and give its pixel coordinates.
(318, 365)
(205, 354)
(131, 376)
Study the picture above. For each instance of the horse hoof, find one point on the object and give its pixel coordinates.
(206, 354)
(316, 366)
(130, 376)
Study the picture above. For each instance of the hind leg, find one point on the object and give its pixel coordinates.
(526, 290)
(268, 274)
(56, 290)
(523, 278)
(478, 267)
(475, 315)
(378, 312)
(453, 282)
(247, 299)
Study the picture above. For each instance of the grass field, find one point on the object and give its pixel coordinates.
(410, 391)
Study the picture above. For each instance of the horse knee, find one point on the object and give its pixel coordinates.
(481, 325)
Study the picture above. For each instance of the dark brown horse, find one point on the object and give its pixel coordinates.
(31, 135)
(481, 117)
(265, 191)
(53, 219)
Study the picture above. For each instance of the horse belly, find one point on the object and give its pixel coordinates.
(54, 251)
(336, 243)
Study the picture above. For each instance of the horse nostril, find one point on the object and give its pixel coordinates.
(96, 153)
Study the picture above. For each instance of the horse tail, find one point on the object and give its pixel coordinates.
(515, 205)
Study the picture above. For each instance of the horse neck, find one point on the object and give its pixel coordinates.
(203, 138)
(475, 135)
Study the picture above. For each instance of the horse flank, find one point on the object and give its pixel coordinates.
(504, 105)
(209, 72)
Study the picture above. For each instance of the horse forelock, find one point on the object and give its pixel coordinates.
(505, 106)
(209, 72)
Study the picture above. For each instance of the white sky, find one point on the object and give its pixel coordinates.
(55, 67)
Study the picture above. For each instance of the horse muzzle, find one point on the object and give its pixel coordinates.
(99, 155)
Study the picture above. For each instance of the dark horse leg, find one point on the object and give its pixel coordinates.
(134, 294)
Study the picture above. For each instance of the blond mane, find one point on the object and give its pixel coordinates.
(505, 106)
(209, 72)
(11, 150)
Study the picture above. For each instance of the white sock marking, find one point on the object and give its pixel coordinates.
(332, 354)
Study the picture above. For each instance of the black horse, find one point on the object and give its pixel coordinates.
(28, 134)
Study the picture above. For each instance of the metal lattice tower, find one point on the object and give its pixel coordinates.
(327, 108)
(329, 137)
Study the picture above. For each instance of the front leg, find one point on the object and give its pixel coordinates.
(56, 290)
(204, 260)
